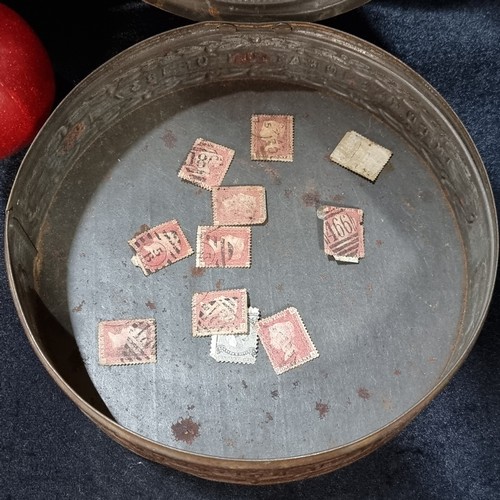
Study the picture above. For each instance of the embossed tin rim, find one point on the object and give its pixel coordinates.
(291, 10)
(291, 468)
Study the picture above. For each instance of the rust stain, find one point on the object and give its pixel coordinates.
(219, 283)
(387, 403)
(363, 393)
(288, 193)
(213, 12)
(251, 57)
(186, 430)
(338, 198)
(229, 442)
(379, 243)
(169, 139)
(273, 174)
(322, 409)
(197, 271)
(310, 198)
(151, 305)
(279, 287)
(72, 137)
(397, 373)
(79, 307)
(142, 229)
(275, 394)
(369, 289)
(269, 417)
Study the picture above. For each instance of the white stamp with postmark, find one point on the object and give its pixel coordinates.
(237, 348)
(361, 155)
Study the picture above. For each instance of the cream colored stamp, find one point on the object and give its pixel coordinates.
(286, 340)
(272, 138)
(206, 164)
(239, 205)
(343, 233)
(223, 246)
(127, 341)
(237, 348)
(160, 246)
(221, 312)
(361, 155)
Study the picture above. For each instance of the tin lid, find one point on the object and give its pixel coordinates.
(257, 10)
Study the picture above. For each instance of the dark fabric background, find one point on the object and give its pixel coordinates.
(49, 449)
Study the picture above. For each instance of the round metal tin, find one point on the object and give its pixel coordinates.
(390, 331)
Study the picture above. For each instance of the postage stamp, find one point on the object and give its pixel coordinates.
(361, 155)
(343, 233)
(221, 312)
(206, 164)
(286, 340)
(239, 205)
(127, 341)
(237, 348)
(160, 246)
(223, 246)
(272, 138)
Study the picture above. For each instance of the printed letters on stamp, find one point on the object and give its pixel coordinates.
(239, 205)
(237, 348)
(272, 138)
(223, 246)
(286, 340)
(343, 233)
(221, 312)
(160, 246)
(127, 342)
(206, 164)
(360, 155)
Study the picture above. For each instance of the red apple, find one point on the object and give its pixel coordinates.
(27, 83)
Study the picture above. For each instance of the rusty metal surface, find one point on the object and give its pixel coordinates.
(257, 10)
(390, 330)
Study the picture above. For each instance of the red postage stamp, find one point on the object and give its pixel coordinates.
(160, 246)
(343, 233)
(223, 246)
(127, 341)
(286, 340)
(239, 205)
(361, 155)
(206, 164)
(272, 138)
(221, 312)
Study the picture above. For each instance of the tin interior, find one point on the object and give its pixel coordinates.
(389, 330)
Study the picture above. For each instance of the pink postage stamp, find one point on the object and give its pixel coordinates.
(127, 341)
(286, 340)
(206, 164)
(272, 138)
(223, 246)
(343, 233)
(221, 312)
(160, 246)
(239, 205)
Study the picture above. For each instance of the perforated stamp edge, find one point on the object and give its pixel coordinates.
(313, 354)
(284, 158)
(200, 262)
(241, 328)
(219, 221)
(186, 178)
(103, 361)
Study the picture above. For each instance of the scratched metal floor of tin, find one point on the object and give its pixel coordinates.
(384, 328)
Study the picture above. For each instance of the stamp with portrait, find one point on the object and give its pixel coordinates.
(237, 348)
(127, 341)
(286, 340)
(206, 164)
(220, 312)
(223, 246)
(361, 155)
(158, 247)
(343, 233)
(272, 138)
(239, 205)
